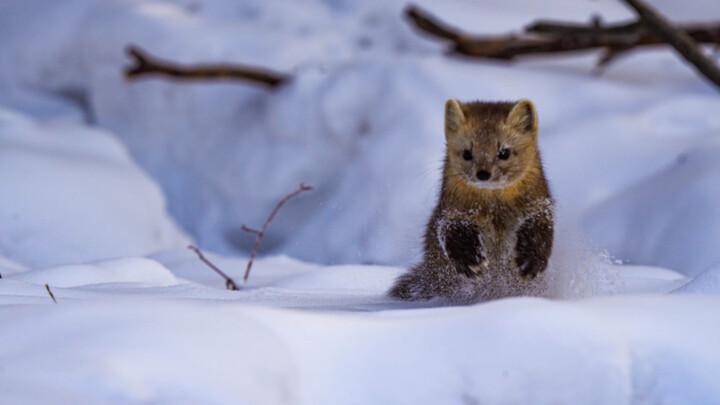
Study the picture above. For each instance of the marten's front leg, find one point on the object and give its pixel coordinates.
(534, 245)
(463, 247)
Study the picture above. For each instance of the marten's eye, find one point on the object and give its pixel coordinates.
(504, 154)
(467, 155)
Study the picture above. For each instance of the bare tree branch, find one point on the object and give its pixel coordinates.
(47, 287)
(260, 232)
(678, 39)
(229, 282)
(144, 64)
(424, 21)
(547, 37)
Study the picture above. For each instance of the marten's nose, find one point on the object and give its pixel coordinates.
(483, 175)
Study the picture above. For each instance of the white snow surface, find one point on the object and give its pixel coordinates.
(302, 333)
(104, 182)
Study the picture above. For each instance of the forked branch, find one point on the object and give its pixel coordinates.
(260, 232)
(145, 64)
(229, 282)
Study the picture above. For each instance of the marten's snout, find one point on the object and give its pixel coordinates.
(483, 175)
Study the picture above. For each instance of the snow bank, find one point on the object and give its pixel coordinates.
(73, 194)
(165, 330)
(707, 282)
(141, 352)
(361, 120)
(8, 266)
(125, 270)
(613, 350)
(671, 219)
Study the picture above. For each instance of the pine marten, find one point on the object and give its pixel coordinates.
(491, 232)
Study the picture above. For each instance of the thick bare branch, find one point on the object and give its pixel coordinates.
(427, 23)
(678, 39)
(260, 232)
(144, 64)
(229, 282)
(595, 28)
(545, 37)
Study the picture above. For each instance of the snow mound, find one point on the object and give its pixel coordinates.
(682, 232)
(707, 282)
(521, 350)
(143, 352)
(72, 194)
(369, 278)
(125, 270)
(597, 158)
(8, 266)
(649, 279)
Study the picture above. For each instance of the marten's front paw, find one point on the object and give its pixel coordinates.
(529, 266)
(474, 271)
(463, 248)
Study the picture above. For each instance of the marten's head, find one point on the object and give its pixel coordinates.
(490, 145)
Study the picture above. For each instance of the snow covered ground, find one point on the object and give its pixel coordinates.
(104, 183)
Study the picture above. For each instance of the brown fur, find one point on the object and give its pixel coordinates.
(486, 239)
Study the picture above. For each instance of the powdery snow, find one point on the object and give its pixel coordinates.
(334, 337)
(89, 162)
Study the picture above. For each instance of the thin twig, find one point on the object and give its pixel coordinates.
(678, 39)
(260, 232)
(47, 287)
(229, 282)
(144, 63)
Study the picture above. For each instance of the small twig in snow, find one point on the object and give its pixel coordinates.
(260, 232)
(229, 283)
(47, 287)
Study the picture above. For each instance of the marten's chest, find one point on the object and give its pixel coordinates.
(496, 226)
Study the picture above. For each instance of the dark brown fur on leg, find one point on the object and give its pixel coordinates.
(401, 288)
(534, 244)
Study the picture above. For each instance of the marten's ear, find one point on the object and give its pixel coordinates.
(454, 117)
(523, 116)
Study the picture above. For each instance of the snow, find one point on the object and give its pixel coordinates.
(332, 335)
(72, 193)
(127, 269)
(707, 282)
(104, 182)
(636, 229)
(363, 103)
